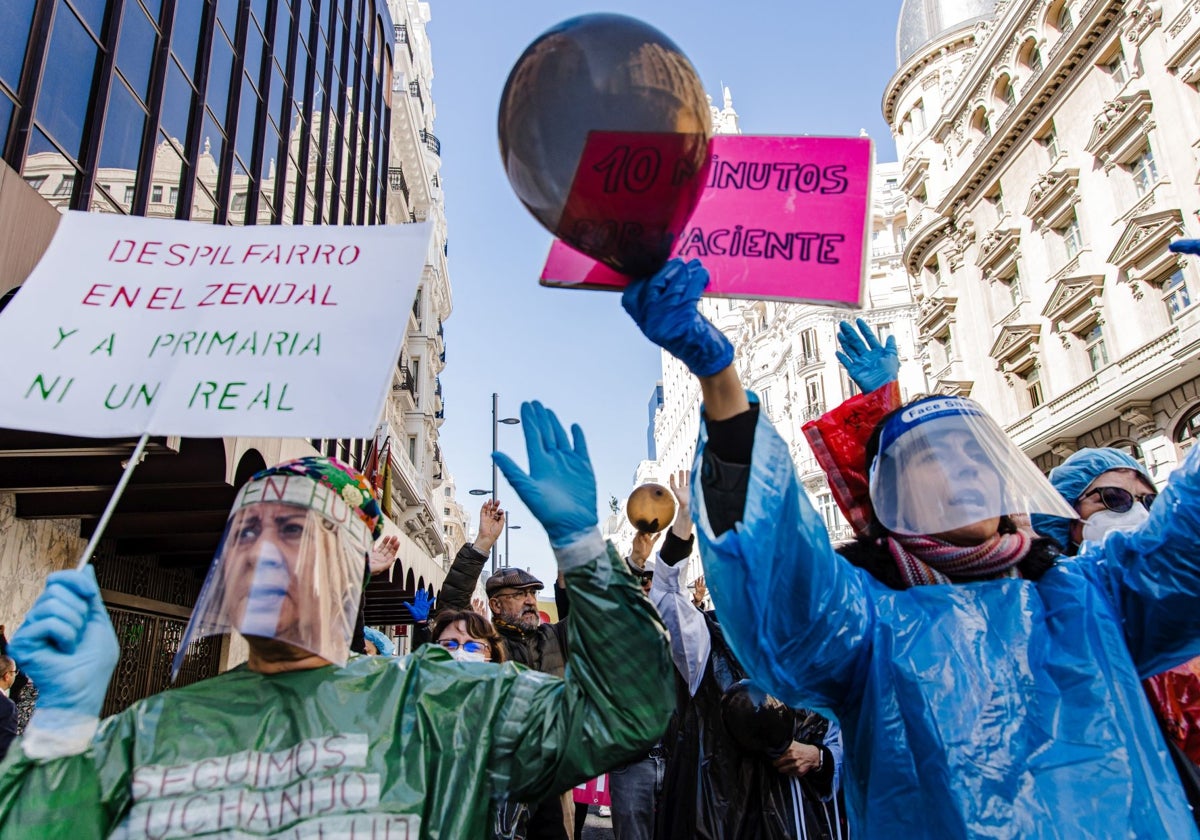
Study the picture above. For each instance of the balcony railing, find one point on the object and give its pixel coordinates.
(402, 38)
(398, 182)
(414, 90)
(431, 142)
(407, 383)
(812, 411)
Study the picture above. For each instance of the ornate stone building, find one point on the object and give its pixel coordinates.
(1050, 149)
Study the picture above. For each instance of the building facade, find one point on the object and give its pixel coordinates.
(1049, 153)
(224, 112)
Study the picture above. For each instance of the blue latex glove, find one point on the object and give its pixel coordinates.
(67, 645)
(665, 308)
(420, 605)
(1185, 246)
(870, 364)
(560, 487)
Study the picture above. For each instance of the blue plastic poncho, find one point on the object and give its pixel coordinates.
(1002, 709)
(1073, 476)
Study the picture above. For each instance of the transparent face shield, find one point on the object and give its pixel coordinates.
(944, 464)
(289, 568)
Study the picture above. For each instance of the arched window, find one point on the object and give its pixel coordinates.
(1188, 430)
(1004, 92)
(980, 123)
(1063, 20)
(1031, 56)
(1131, 449)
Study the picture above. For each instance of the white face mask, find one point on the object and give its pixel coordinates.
(1106, 521)
(466, 656)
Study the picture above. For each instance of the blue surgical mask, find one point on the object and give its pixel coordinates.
(1104, 522)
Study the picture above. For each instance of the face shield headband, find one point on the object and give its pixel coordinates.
(289, 568)
(943, 464)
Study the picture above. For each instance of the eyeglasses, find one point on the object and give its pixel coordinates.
(1118, 499)
(517, 595)
(470, 647)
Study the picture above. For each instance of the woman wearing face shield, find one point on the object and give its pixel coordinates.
(985, 686)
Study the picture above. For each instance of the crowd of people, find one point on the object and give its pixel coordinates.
(995, 654)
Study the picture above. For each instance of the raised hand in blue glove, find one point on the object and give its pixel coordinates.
(1185, 246)
(67, 645)
(560, 487)
(665, 308)
(420, 605)
(870, 364)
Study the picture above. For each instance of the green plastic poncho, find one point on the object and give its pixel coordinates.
(381, 749)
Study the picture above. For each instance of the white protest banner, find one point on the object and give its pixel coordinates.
(131, 325)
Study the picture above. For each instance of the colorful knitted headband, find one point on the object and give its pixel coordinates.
(341, 479)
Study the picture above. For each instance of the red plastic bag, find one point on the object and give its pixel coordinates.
(1175, 697)
(839, 441)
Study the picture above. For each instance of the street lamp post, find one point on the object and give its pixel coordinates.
(507, 528)
(496, 421)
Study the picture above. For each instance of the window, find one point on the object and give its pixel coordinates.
(1072, 239)
(997, 199)
(1145, 173)
(1064, 22)
(1005, 92)
(884, 331)
(947, 342)
(1013, 285)
(1188, 430)
(173, 196)
(1118, 69)
(933, 275)
(1033, 57)
(764, 398)
(1033, 386)
(412, 448)
(35, 181)
(849, 389)
(445, 511)
(808, 341)
(129, 196)
(65, 186)
(156, 194)
(829, 512)
(814, 393)
(239, 201)
(417, 307)
(1049, 142)
(1176, 295)
(1096, 351)
(416, 375)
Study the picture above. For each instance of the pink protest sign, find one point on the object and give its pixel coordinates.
(783, 218)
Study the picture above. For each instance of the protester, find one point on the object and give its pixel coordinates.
(303, 739)
(982, 690)
(468, 636)
(458, 587)
(740, 764)
(377, 643)
(1112, 491)
(512, 596)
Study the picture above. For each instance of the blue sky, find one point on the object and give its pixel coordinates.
(794, 67)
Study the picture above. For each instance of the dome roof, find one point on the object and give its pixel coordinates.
(924, 21)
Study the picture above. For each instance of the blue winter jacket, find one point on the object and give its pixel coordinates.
(1002, 709)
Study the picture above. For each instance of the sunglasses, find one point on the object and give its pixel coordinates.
(1118, 499)
(469, 647)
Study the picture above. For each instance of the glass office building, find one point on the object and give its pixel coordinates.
(225, 111)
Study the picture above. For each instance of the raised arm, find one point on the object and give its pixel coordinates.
(796, 614)
(62, 779)
(459, 587)
(617, 694)
(1152, 575)
(691, 642)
